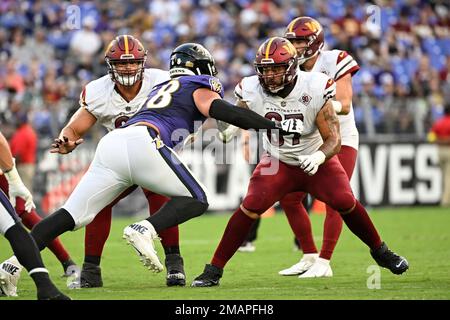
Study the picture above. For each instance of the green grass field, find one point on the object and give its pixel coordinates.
(421, 234)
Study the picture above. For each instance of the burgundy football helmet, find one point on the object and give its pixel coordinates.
(309, 30)
(122, 50)
(273, 54)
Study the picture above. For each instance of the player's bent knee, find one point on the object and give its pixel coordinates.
(252, 215)
(200, 208)
(188, 208)
(256, 204)
(343, 202)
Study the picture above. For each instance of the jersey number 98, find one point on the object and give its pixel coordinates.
(163, 97)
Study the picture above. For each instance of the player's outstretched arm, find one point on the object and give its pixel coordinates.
(71, 135)
(226, 130)
(211, 105)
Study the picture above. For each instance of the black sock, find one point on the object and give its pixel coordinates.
(24, 247)
(176, 211)
(51, 227)
(41, 279)
(92, 259)
(172, 250)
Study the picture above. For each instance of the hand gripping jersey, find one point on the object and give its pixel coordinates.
(310, 93)
(170, 107)
(336, 64)
(100, 98)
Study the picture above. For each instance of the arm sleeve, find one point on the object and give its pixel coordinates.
(240, 117)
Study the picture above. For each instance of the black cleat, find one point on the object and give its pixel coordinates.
(51, 293)
(91, 276)
(388, 259)
(209, 278)
(175, 270)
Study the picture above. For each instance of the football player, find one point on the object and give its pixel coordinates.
(20, 240)
(307, 36)
(142, 154)
(307, 161)
(110, 101)
(30, 218)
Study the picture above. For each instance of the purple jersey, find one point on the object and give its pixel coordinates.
(170, 107)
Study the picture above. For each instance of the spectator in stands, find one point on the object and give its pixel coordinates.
(86, 43)
(440, 134)
(24, 147)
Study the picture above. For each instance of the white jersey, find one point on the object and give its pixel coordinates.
(111, 110)
(310, 93)
(336, 64)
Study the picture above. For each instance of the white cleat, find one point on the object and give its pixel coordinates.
(320, 269)
(9, 277)
(302, 266)
(247, 247)
(140, 236)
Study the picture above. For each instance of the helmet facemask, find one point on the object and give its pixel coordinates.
(274, 77)
(122, 72)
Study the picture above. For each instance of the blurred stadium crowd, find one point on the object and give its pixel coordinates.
(50, 49)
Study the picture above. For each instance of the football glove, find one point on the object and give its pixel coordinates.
(18, 189)
(226, 131)
(310, 163)
(292, 126)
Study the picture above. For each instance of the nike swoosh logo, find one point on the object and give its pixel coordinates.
(399, 264)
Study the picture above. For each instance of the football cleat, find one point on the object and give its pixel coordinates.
(387, 259)
(247, 247)
(140, 236)
(175, 270)
(9, 277)
(51, 293)
(90, 277)
(209, 278)
(302, 266)
(70, 269)
(321, 268)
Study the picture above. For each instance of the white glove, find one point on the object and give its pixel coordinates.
(292, 126)
(226, 135)
(310, 163)
(18, 189)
